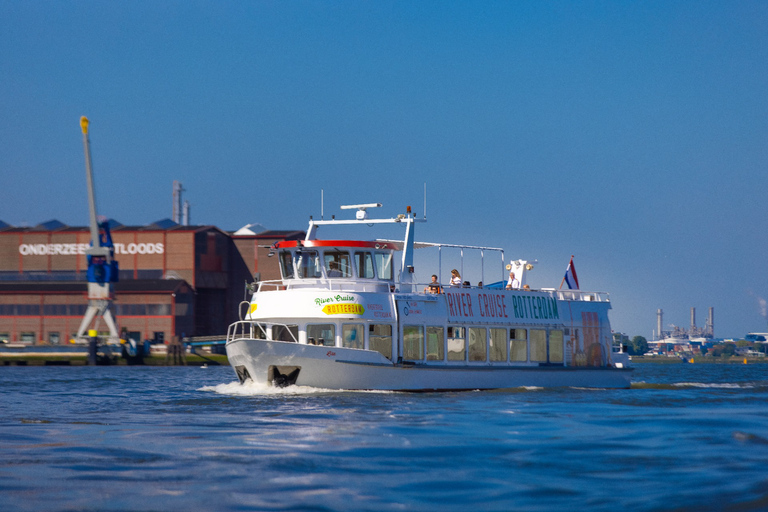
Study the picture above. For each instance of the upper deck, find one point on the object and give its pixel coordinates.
(380, 266)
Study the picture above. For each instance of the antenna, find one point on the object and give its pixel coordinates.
(425, 200)
(321, 204)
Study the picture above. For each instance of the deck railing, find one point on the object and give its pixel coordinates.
(366, 285)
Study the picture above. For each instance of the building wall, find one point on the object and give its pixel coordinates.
(215, 265)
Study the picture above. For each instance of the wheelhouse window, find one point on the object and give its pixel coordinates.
(286, 264)
(352, 335)
(456, 344)
(556, 346)
(498, 345)
(435, 343)
(538, 345)
(308, 264)
(321, 334)
(384, 265)
(380, 339)
(518, 345)
(364, 264)
(413, 342)
(477, 344)
(285, 332)
(337, 264)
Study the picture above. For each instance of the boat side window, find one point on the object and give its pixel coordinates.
(308, 264)
(380, 339)
(456, 344)
(556, 346)
(435, 343)
(323, 334)
(259, 332)
(285, 332)
(413, 342)
(477, 343)
(337, 264)
(518, 345)
(352, 335)
(538, 345)
(498, 346)
(364, 264)
(384, 266)
(286, 264)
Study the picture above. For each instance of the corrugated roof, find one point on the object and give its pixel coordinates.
(51, 225)
(281, 234)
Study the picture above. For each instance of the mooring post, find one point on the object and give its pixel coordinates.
(92, 346)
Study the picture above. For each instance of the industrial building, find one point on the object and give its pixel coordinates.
(174, 279)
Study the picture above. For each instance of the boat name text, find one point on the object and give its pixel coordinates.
(494, 305)
(338, 298)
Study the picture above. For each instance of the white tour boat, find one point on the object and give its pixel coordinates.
(344, 317)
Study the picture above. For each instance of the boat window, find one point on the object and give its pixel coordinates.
(384, 266)
(477, 343)
(352, 335)
(337, 264)
(322, 334)
(435, 344)
(413, 342)
(364, 263)
(286, 264)
(285, 332)
(308, 264)
(380, 339)
(518, 345)
(556, 346)
(538, 345)
(258, 332)
(456, 344)
(498, 346)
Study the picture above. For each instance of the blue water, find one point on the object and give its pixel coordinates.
(687, 437)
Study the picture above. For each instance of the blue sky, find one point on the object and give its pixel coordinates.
(633, 135)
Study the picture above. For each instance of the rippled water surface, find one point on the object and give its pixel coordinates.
(686, 437)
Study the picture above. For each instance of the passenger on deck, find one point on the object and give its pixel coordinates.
(455, 278)
(513, 283)
(526, 288)
(434, 286)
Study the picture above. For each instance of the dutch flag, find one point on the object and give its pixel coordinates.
(570, 276)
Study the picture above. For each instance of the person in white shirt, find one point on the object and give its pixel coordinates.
(455, 278)
(513, 283)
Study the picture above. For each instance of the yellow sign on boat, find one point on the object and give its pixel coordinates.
(343, 309)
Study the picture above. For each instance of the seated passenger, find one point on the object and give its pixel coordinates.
(455, 278)
(434, 286)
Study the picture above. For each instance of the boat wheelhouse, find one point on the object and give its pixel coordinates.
(348, 314)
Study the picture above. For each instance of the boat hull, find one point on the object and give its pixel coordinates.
(354, 369)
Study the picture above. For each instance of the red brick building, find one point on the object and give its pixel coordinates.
(174, 280)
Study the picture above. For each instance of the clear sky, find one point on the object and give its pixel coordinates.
(633, 135)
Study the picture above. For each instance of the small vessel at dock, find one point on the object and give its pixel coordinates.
(348, 314)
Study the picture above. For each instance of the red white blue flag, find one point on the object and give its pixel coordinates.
(570, 276)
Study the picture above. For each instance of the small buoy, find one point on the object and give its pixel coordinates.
(745, 360)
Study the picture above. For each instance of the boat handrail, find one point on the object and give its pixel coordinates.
(247, 329)
(380, 286)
